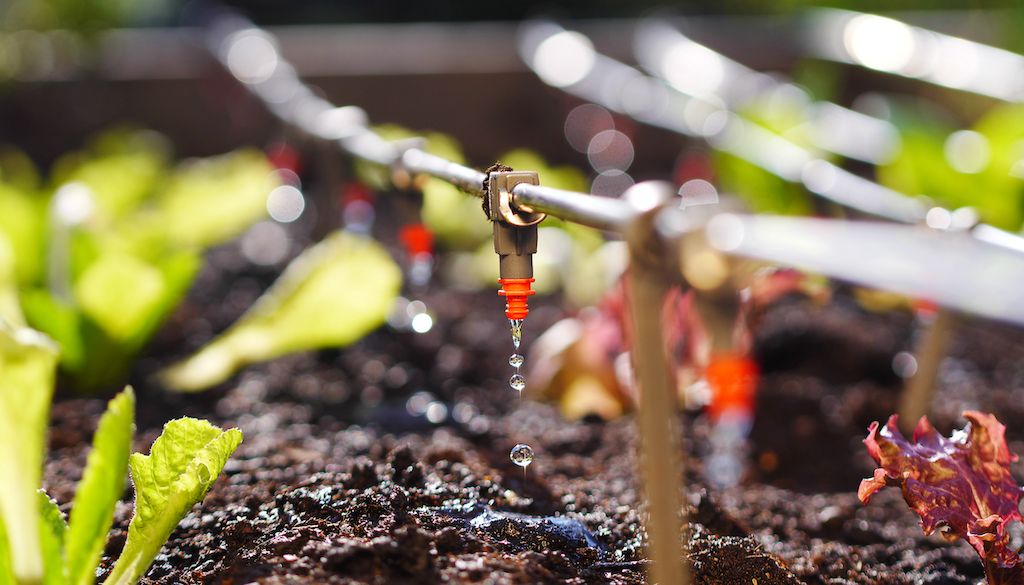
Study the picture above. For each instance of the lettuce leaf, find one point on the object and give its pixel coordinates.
(53, 528)
(102, 484)
(961, 485)
(212, 200)
(182, 465)
(10, 308)
(21, 223)
(120, 301)
(333, 294)
(6, 570)
(28, 361)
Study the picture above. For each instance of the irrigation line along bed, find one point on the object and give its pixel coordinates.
(567, 60)
(951, 269)
(888, 45)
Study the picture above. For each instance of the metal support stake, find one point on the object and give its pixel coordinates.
(660, 451)
(932, 343)
(917, 396)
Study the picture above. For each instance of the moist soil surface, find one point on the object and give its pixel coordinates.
(336, 482)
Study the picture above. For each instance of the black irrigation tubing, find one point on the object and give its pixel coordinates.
(649, 100)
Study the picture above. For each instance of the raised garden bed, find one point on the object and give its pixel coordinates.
(332, 487)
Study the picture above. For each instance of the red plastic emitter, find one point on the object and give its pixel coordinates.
(515, 291)
(733, 381)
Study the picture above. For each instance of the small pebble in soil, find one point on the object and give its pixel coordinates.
(521, 455)
(517, 382)
(516, 360)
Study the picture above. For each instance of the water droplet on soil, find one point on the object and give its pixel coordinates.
(521, 455)
(517, 382)
(516, 360)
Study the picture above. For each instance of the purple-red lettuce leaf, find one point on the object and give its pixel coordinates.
(961, 485)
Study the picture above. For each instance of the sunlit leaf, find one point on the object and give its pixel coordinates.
(6, 568)
(118, 293)
(118, 183)
(53, 529)
(10, 308)
(332, 295)
(60, 321)
(22, 223)
(102, 484)
(209, 201)
(182, 465)
(28, 361)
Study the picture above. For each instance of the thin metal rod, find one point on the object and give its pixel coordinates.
(602, 213)
(660, 457)
(917, 396)
(853, 37)
(664, 51)
(470, 180)
(295, 104)
(603, 82)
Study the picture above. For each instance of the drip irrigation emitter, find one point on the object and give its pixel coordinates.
(515, 238)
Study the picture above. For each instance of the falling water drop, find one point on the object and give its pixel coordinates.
(521, 455)
(516, 361)
(517, 382)
(517, 331)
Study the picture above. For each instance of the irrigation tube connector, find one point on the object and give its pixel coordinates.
(949, 268)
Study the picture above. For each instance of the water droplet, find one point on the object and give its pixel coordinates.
(517, 382)
(723, 470)
(521, 455)
(516, 360)
(517, 331)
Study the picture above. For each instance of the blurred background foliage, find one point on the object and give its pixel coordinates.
(97, 255)
(91, 16)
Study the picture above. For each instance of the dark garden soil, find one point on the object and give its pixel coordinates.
(337, 483)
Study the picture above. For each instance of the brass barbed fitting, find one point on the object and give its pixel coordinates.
(515, 237)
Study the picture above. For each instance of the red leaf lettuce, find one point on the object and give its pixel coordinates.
(961, 485)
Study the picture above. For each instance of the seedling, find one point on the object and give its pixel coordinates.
(960, 485)
(36, 544)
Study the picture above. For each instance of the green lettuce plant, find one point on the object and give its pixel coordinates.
(332, 295)
(988, 172)
(763, 191)
(37, 545)
(101, 283)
